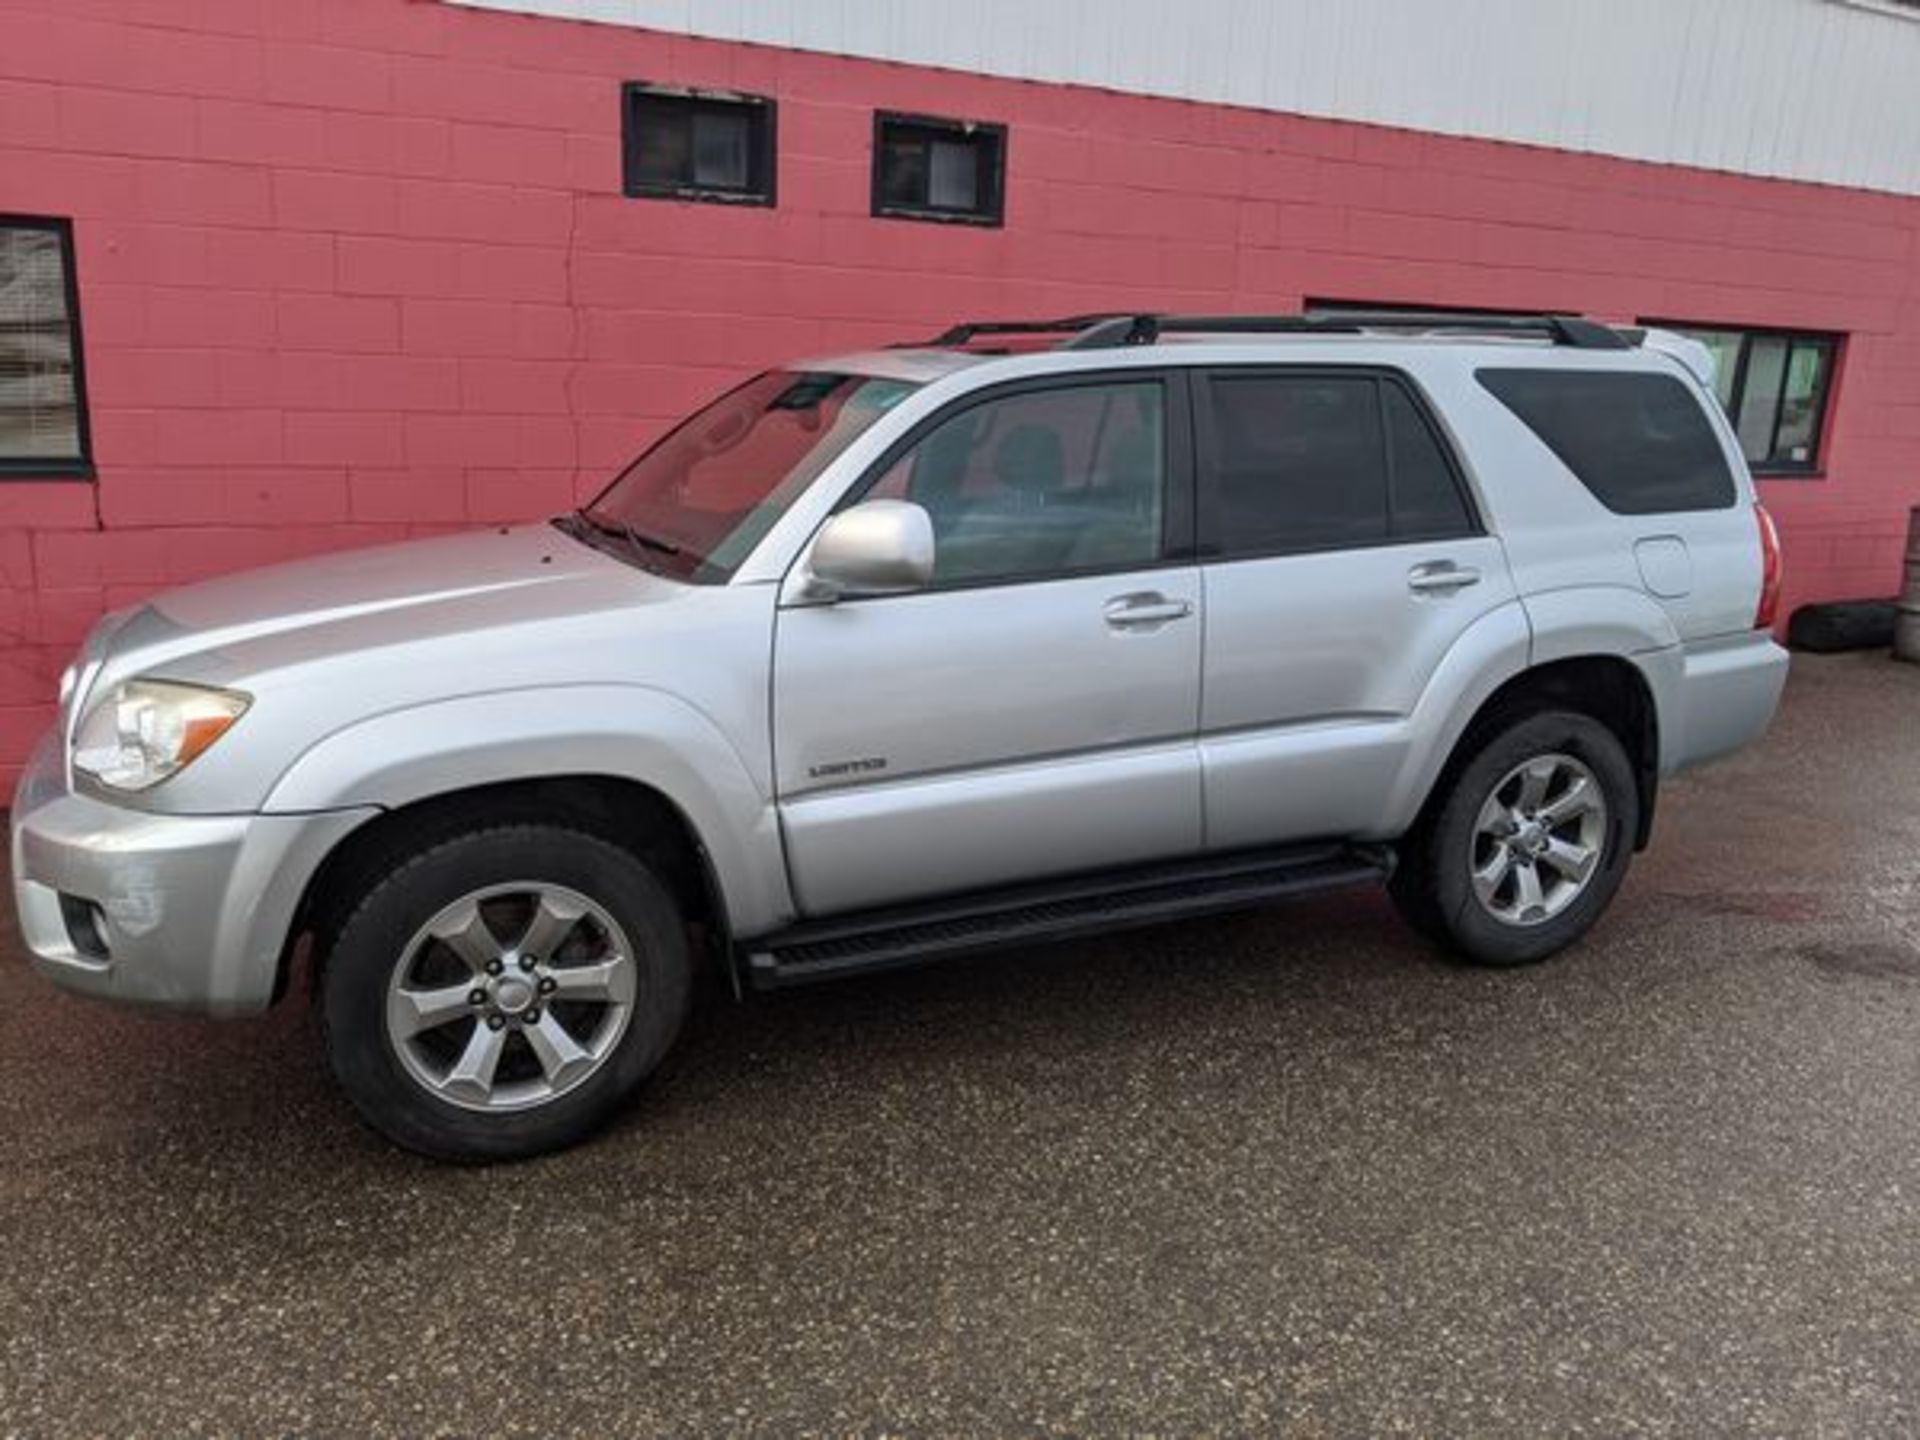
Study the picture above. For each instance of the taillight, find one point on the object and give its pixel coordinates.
(1769, 570)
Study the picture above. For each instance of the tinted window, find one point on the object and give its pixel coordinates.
(1640, 443)
(1047, 482)
(1427, 503)
(1296, 463)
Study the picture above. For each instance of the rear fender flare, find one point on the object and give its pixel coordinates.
(1506, 643)
(1621, 622)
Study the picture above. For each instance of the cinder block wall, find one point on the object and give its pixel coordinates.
(353, 270)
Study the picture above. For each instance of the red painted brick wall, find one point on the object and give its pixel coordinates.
(357, 269)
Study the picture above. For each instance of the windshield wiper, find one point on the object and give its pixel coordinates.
(625, 530)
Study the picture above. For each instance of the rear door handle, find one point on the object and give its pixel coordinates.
(1442, 577)
(1145, 608)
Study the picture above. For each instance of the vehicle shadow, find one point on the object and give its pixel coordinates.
(256, 1091)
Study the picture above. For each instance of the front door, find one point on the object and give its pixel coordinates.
(1034, 710)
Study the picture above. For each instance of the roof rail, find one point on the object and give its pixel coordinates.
(968, 330)
(1144, 329)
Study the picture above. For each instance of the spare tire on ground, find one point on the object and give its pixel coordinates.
(1842, 625)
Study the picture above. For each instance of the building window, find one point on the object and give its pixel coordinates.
(928, 169)
(698, 145)
(43, 402)
(1774, 385)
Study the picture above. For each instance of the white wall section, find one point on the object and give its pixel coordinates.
(1823, 90)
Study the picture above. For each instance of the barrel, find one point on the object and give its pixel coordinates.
(1906, 624)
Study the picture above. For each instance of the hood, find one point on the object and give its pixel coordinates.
(411, 590)
(324, 645)
(384, 578)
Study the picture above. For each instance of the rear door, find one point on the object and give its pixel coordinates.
(1342, 560)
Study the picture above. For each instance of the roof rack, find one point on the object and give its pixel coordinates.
(1108, 331)
(965, 332)
(1573, 330)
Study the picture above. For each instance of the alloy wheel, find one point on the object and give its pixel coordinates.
(511, 996)
(1539, 840)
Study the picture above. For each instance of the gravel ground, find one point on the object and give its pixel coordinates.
(1281, 1172)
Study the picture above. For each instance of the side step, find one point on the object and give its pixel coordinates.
(1053, 910)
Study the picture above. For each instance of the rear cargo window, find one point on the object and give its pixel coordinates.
(1639, 442)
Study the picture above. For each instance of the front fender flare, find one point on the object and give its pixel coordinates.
(632, 732)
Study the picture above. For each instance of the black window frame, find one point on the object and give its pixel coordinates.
(762, 153)
(1813, 468)
(991, 213)
(1177, 503)
(46, 467)
(1208, 540)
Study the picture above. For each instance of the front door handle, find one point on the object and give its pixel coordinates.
(1145, 608)
(1442, 577)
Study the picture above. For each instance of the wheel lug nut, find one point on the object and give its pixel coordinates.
(495, 1022)
(527, 962)
(532, 1015)
(494, 967)
(548, 985)
(476, 997)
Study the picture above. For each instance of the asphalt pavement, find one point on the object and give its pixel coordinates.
(1288, 1172)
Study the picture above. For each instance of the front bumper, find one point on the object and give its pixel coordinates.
(182, 912)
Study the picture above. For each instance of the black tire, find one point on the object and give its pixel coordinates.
(373, 939)
(1433, 886)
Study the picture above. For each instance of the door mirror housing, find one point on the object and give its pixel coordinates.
(879, 547)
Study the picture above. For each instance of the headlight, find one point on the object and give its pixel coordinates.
(147, 730)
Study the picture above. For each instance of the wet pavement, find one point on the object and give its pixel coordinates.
(1281, 1172)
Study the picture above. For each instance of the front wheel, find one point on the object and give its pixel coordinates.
(1528, 845)
(500, 993)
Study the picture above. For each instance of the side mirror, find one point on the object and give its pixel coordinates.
(878, 547)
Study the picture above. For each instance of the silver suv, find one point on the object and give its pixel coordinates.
(1029, 630)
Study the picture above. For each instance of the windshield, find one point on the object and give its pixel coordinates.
(698, 502)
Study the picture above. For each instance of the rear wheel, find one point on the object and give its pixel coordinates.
(1528, 845)
(502, 992)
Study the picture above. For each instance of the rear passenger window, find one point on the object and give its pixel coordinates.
(1323, 462)
(1427, 504)
(1639, 442)
(1296, 463)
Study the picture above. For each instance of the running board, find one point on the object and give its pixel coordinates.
(1053, 910)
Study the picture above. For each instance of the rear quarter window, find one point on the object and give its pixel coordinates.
(1639, 442)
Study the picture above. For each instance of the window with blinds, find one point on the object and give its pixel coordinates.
(931, 169)
(43, 418)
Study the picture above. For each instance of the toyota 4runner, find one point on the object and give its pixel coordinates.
(1029, 630)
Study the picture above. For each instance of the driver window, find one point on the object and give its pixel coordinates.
(1040, 484)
